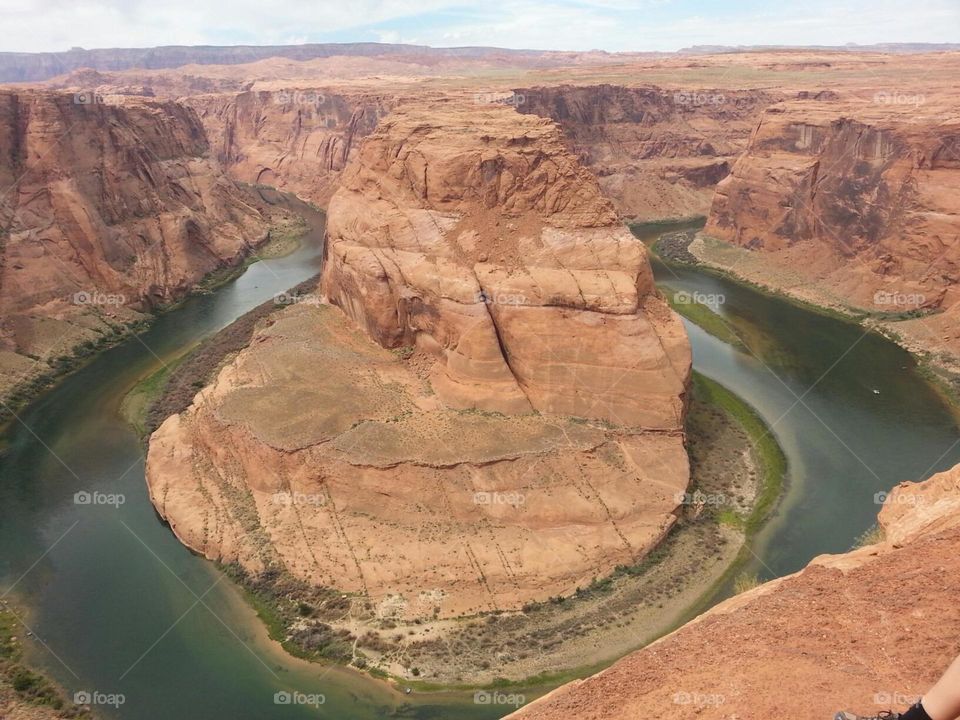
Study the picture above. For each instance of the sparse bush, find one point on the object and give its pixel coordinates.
(871, 536)
(745, 582)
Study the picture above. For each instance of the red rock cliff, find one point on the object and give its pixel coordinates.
(658, 153)
(296, 139)
(106, 200)
(853, 204)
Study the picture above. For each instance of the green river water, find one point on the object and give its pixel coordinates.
(119, 606)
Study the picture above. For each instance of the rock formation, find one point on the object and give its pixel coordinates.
(106, 209)
(473, 235)
(491, 415)
(297, 138)
(867, 631)
(857, 202)
(658, 153)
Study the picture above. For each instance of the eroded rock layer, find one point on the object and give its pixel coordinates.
(867, 631)
(106, 208)
(492, 413)
(474, 236)
(293, 138)
(857, 202)
(658, 152)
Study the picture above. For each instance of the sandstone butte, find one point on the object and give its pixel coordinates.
(867, 631)
(108, 210)
(489, 411)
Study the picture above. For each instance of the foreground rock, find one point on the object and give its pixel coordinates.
(870, 630)
(446, 477)
(109, 210)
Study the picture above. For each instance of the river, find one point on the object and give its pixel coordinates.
(850, 409)
(120, 607)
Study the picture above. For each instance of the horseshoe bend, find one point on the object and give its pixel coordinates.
(485, 411)
(366, 380)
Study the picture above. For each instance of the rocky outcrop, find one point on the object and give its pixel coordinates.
(856, 200)
(297, 139)
(492, 413)
(108, 210)
(658, 153)
(475, 237)
(867, 631)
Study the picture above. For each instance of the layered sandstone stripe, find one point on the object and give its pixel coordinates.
(490, 413)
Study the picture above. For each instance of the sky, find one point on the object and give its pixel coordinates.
(613, 25)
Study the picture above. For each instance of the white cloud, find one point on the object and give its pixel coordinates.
(35, 25)
(50, 25)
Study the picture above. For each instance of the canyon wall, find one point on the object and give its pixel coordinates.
(857, 203)
(658, 153)
(489, 413)
(108, 210)
(296, 139)
(867, 631)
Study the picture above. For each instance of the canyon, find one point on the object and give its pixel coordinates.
(843, 160)
(109, 211)
(290, 138)
(454, 453)
(418, 438)
(657, 152)
(851, 206)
